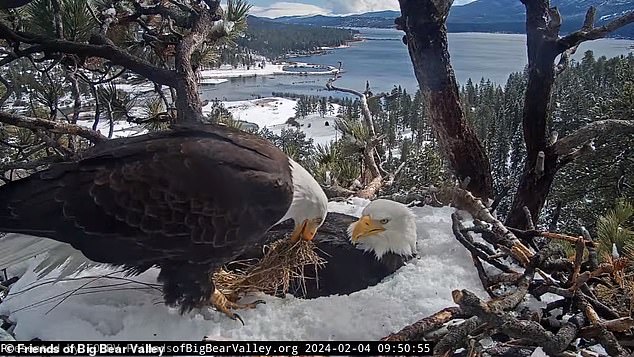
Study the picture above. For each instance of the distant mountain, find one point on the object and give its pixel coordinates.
(484, 16)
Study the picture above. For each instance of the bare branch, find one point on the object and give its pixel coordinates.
(363, 98)
(588, 34)
(539, 166)
(51, 126)
(588, 22)
(591, 131)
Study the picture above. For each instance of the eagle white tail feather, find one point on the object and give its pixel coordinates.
(68, 258)
(16, 248)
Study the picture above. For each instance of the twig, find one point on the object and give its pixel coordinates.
(465, 200)
(592, 250)
(604, 336)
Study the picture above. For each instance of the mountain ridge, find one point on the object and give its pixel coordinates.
(485, 16)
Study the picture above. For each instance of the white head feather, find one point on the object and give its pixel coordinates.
(399, 224)
(309, 200)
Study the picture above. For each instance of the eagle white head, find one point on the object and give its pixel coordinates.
(385, 226)
(309, 206)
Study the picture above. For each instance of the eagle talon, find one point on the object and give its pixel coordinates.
(237, 317)
(221, 303)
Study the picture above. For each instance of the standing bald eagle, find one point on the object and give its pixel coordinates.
(359, 253)
(187, 200)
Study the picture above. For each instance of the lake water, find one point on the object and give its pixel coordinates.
(383, 60)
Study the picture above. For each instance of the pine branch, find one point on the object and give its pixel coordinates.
(51, 126)
(98, 46)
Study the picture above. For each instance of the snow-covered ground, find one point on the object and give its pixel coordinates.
(228, 71)
(420, 288)
(321, 130)
(274, 112)
(264, 112)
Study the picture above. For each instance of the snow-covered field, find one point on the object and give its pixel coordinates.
(264, 112)
(227, 71)
(418, 289)
(274, 112)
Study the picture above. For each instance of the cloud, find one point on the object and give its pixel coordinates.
(361, 6)
(288, 8)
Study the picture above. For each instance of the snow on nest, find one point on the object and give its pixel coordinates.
(419, 289)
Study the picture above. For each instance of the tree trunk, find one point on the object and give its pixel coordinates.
(542, 29)
(188, 103)
(426, 38)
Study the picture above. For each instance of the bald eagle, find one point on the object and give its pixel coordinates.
(359, 253)
(187, 200)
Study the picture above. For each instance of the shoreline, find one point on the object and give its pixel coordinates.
(222, 75)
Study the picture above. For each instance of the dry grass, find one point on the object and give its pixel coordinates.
(283, 261)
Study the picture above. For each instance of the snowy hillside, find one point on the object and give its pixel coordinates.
(135, 311)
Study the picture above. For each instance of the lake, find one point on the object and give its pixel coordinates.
(383, 60)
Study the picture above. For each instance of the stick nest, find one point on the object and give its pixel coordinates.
(282, 262)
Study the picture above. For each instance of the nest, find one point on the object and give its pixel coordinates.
(282, 263)
(619, 296)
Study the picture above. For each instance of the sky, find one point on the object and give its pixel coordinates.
(275, 8)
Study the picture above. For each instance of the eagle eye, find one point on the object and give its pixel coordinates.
(384, 221)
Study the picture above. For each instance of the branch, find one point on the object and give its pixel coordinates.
(588, 33)
(591, 131)
(515, 328)
(465, 200)
(419, 329)
(51, 126)
(99, 46)
(363, 98)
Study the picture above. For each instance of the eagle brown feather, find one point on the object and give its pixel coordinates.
(187, 200)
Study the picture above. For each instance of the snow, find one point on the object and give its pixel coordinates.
(274, 112)
(135, 88)
(227, 71)
(121, 129)
(419, 289)
(314, 127)
(213, 81)
(263, 112)
(539, 352)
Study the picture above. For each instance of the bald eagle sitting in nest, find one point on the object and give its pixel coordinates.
(359, 253)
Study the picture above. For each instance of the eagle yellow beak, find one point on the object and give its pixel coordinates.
(306, 230)
(366, 226)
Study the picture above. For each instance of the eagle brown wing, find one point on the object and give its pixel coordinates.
(197, 195)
